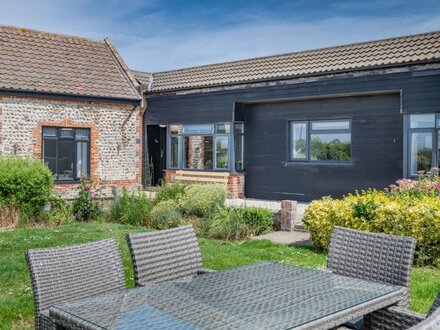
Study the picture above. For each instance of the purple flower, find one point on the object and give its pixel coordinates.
(91, 197)
(421, 172)
(88, 186)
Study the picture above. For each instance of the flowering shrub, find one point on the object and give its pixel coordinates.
(426, 183)
(86, 206)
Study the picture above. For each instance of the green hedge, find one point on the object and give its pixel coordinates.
(26, 183)
(381, 212)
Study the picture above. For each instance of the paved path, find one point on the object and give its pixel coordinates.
(293, 238)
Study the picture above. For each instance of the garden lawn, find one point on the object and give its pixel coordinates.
(16, 304)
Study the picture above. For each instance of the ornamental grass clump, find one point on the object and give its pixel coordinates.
(165, 215)
(202, 199)
(131, 208)
(409, 208)
(170, 191)
(234, 223)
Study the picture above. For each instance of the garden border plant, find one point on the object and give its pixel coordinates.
(202, 205)
(25, 183)
(407, 208)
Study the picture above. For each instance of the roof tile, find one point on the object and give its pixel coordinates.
(52, 63)
(389, 52)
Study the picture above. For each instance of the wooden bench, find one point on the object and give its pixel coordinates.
(202, 176)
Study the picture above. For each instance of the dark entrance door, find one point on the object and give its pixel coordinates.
(157, 137)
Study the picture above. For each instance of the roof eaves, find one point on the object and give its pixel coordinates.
(301, 52)
(37, 93)
(315, 74)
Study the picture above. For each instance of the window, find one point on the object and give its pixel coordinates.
(239, 146)
(221, 152)
(197, 152)
(320, 141)
(200, 146)
(423, 142)
(298, 133)
(174, 152)
(198, 129)
(66, 152)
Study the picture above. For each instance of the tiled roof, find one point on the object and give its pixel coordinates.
(382, 53)
(51, 63)
(143, 78)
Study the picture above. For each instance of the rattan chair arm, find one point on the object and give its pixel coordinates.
(205, 271)
(392, 318)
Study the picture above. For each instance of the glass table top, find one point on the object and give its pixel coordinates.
(259, 296)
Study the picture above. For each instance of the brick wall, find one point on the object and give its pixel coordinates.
(195, 158)
(235, 183)
(116, 135)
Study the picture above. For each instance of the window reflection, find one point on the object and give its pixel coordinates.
(331, 147)
(221, 151)
(421, 152)
(198, 152)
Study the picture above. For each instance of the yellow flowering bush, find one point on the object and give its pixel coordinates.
(381, 212)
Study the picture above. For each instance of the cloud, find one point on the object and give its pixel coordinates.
(155, 36)
(267, 37)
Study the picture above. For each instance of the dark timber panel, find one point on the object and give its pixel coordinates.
(377, 148)
(420, 92)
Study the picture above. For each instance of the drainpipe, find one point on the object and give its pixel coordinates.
(145, 157)
(129, 116)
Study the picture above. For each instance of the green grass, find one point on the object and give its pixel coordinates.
(16, 304)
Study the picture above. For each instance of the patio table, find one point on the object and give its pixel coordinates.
(259, 296)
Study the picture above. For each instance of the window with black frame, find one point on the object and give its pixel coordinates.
(239, 146)
(423, 142)
(66, 151)
(200, 146)
(320, 141)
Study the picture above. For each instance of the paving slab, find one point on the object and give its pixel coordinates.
(293, 238)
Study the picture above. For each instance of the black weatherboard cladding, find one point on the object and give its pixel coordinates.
(377, 148)
(377, 127)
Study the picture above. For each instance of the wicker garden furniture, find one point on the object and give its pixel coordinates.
(260, 296)
(376, 257)
(401, 318)
(165, 255)
(371, 256)
(68, 273)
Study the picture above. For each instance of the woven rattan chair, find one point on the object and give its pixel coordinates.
(165, 255)
(375, 257)
(73, 272)
(402, 318)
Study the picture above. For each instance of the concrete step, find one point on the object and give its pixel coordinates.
(300, 228)
(287, 237)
